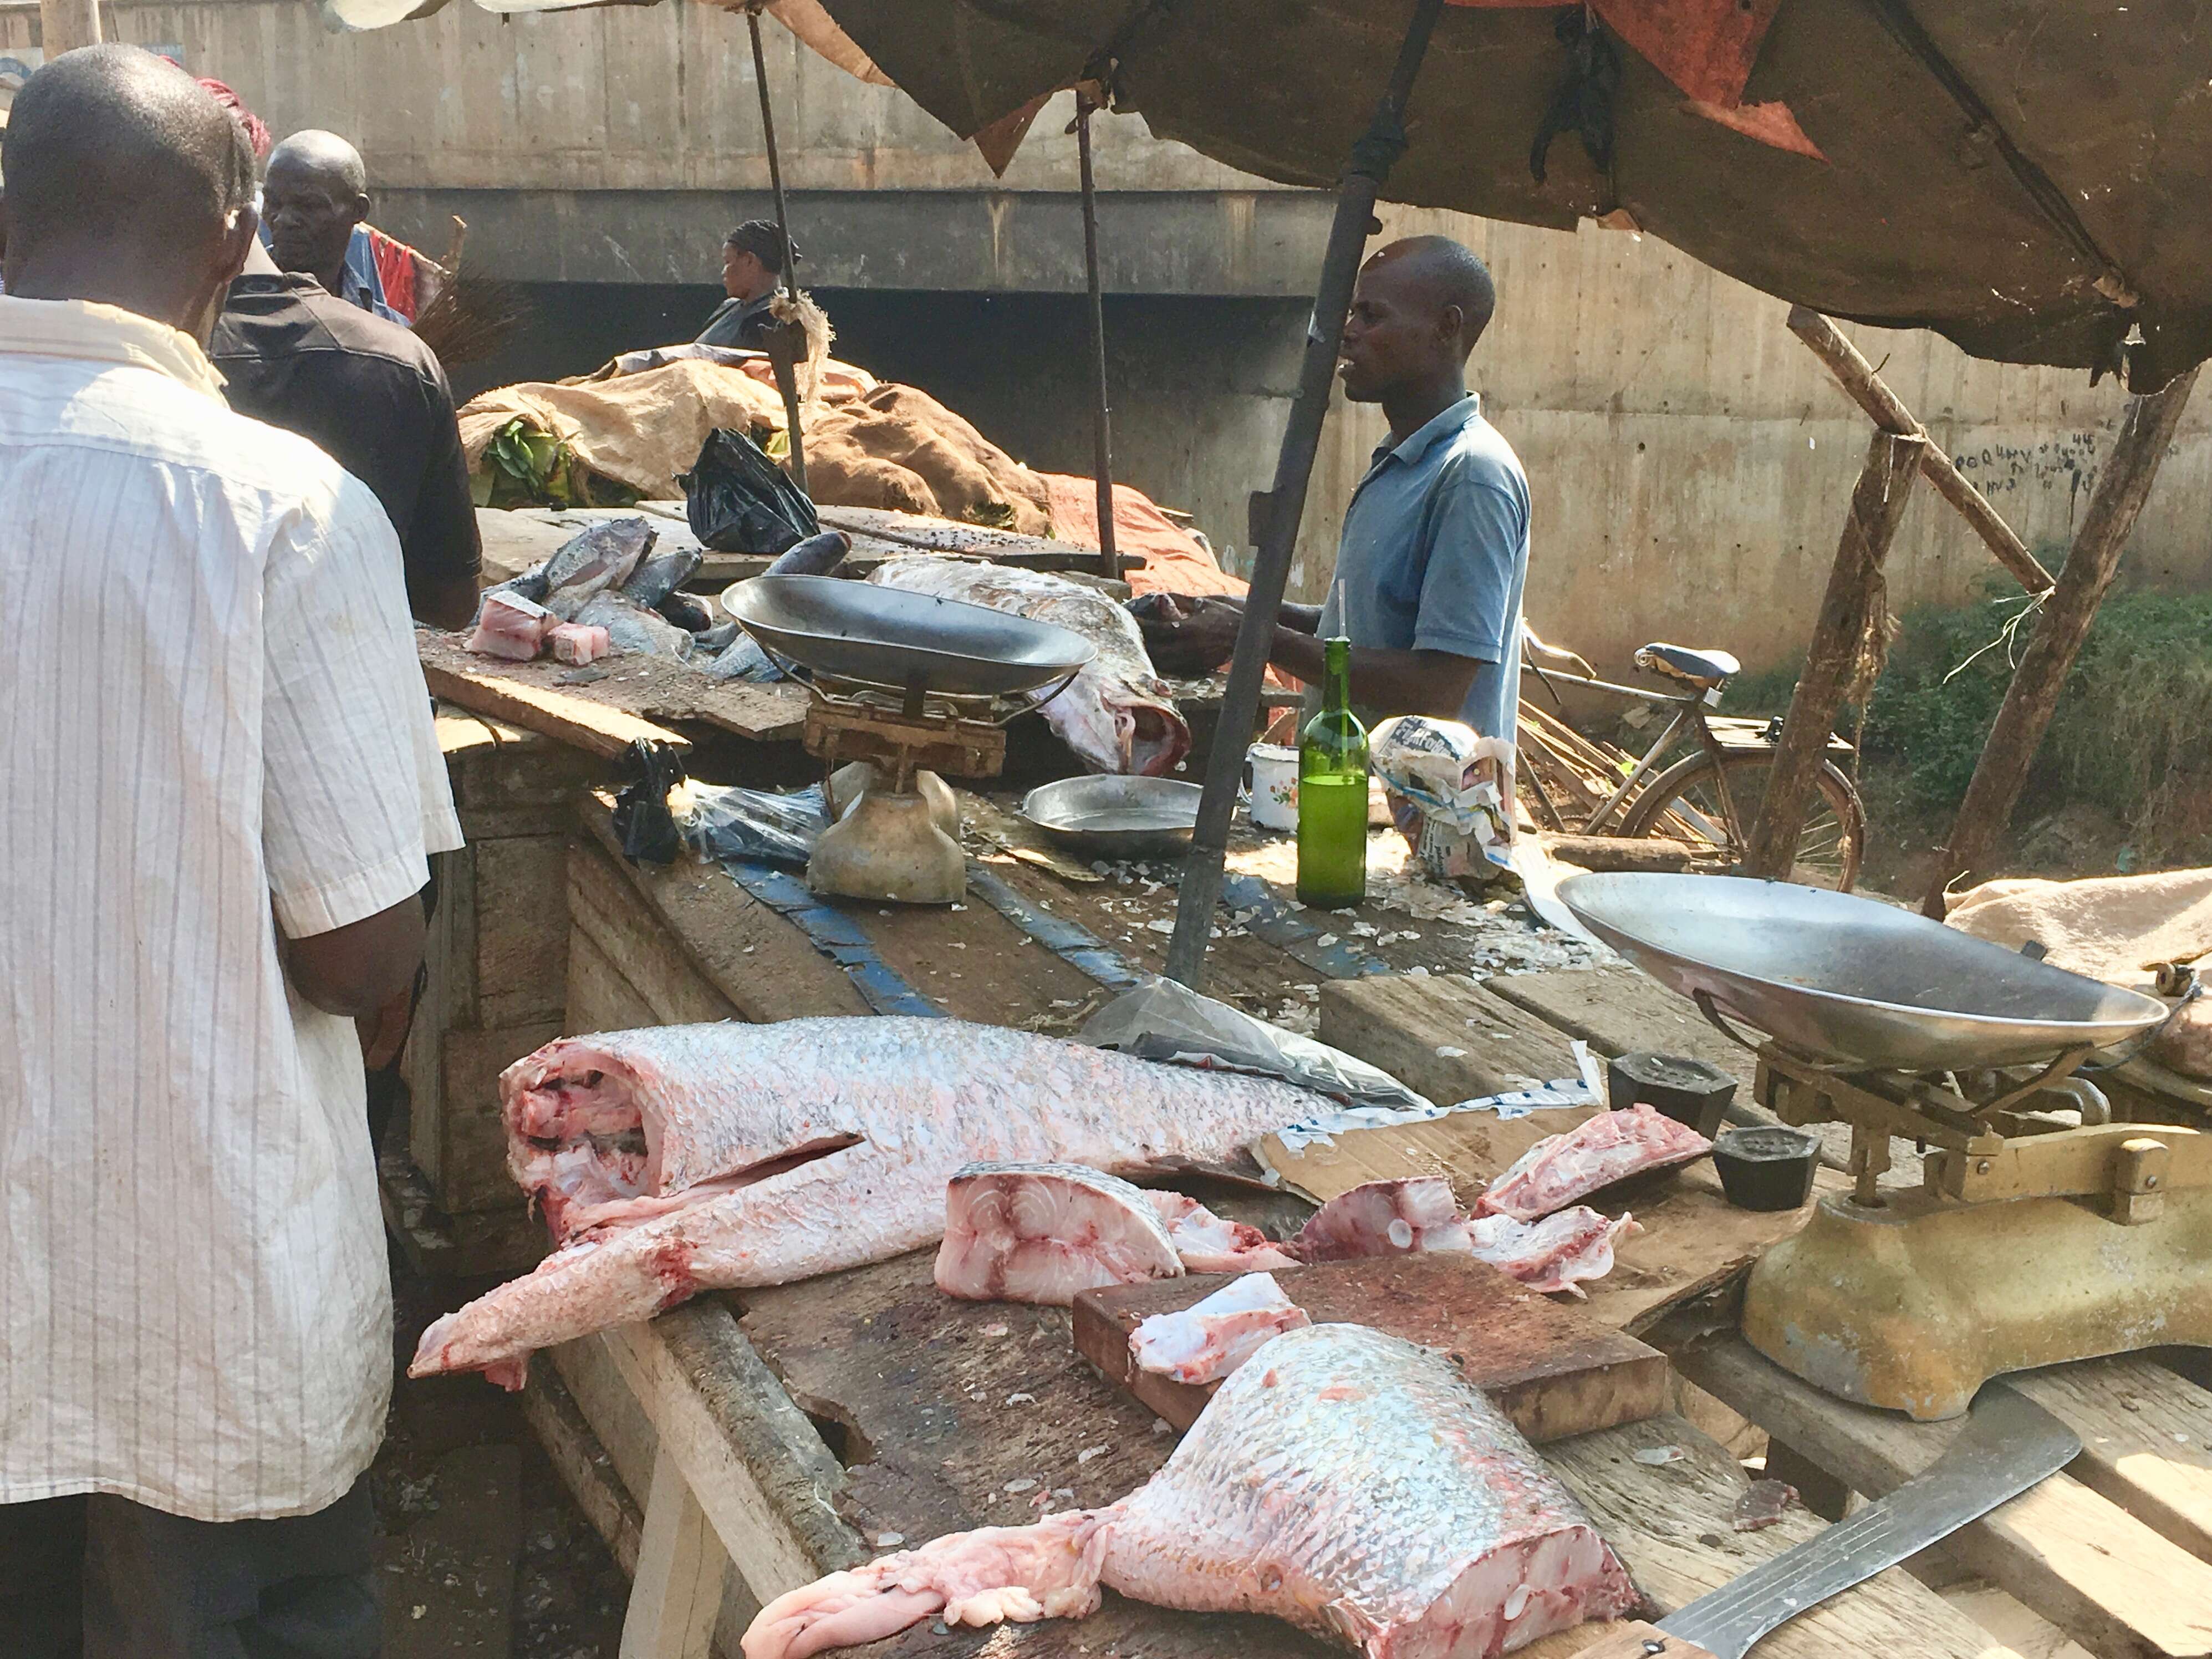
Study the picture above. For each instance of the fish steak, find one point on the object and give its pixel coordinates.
(1118, 714)
(1347, 1482)
(1043, 1232)
(688, 1157)
(1608, 1146)
(1207, 1341)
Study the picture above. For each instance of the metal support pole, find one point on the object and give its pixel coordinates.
(1102, 418)
(1372, 158)
(784, 354)
(65, 25)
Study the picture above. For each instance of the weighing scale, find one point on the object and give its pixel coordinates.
(915, 686)
(2043, 1231)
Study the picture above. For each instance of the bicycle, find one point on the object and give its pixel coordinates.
(1710, 797)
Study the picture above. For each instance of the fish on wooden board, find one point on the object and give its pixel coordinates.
(509, 626)
(741, 658)
(1210, 1339)
(1208, 1243)
(691, 1157)
(1407, 1215)
(1117, 716)
(1604, 1148)
(1351, 1483)
(603, 556)
(1559, 1253)
(633, 628)
(1043, 1232)
(656, 578)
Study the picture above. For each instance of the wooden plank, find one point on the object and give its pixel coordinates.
(1551, 1367)
(582, 1462)
(599, 997)
(522, 922)
(755, 1465)
(585, 723)
(2004, 1618)
(624, 928)
(1619, 1010)
(2071, 1555)
(1409, 1025)
(969, 960)
(678, 1583)
(744, 950)
(2146, 1440)
(467, 1133)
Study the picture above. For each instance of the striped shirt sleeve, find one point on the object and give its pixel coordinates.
(344, 813)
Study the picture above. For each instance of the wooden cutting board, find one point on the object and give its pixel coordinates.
(1554, 1370)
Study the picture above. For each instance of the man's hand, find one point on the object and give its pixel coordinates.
(356, 969)
(1186, 636)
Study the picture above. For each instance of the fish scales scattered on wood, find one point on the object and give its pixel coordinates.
(1118, 714)
(1350, 1483)
(690, 1157)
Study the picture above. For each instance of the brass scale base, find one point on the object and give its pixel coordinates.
(890, 843)
(2028, 1244)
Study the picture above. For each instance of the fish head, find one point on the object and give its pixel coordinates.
(1119, 728)
(603, 556)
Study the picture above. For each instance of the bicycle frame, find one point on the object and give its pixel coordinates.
(1689, 713)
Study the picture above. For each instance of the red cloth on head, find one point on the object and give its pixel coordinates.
(257, 134)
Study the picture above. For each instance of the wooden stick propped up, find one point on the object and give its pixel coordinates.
(1856, 377)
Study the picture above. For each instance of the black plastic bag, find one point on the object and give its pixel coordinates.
(738, 501)
(729, 822)
(641, 815)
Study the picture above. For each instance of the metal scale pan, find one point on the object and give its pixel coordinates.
(909, 643)
(1851, 980)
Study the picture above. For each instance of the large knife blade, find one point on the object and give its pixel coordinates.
(2010, 1443)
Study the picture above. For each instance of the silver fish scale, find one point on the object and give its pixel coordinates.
(1337, 1465)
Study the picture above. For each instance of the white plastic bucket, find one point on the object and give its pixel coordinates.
(1271, 779)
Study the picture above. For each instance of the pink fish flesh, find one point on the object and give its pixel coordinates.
(1555, 1253)
(1041, 1232)
(577, 644)
(510, 626)
(1403, 1216)
(1207, 1341)
(690, 1157)
(1348, 1482)
(1117, 714)
(1607, 1147)
(1209, 1245)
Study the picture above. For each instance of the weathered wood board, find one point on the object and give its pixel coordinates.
(1551, 1368)
(634, 699)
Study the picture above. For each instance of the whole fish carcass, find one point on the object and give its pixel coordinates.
(634, 629)
(693, 1157)
(1348, 1482)
(1117, 716)
(603, 557)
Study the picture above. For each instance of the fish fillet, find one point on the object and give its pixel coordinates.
(1209, 1245)
(1555, 1253)
(1403, 1216)
(1559, 1169)
(1117, 714)
(1041, 1232)
(1347, 1482)
(1207, 1341)
(691, 1157)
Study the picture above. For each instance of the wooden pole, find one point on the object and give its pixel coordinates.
(1102, 416)
(1372, 157)
(1856, 377)
(1877, 505)
(65, 25)
(788, 344)
(2122, 486)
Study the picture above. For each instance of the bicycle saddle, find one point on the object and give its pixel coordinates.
(1702, 669)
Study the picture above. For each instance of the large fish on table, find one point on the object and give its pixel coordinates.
(1348, 1482)
(1117, 716)
(692, 1157)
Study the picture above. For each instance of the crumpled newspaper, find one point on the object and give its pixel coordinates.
(1451, 793)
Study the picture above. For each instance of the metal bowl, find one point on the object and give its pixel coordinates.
(852, 630)
(1851, 980)
(1115, 817)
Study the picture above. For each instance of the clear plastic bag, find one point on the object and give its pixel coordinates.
(724, 822)
(1164, 1020)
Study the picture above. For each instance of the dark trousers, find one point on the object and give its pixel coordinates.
(104, 1579)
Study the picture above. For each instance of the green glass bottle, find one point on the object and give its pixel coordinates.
(1332, 792)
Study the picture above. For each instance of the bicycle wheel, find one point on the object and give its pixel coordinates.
(1828, 851)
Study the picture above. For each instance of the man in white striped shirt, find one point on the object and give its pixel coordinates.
(221, 784)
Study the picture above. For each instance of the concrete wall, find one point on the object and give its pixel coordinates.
(1691, 462)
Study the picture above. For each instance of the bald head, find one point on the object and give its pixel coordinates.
(1420, 305)
(127, 183)
(317, 191)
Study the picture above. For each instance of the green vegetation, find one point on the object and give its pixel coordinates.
(2130, 735)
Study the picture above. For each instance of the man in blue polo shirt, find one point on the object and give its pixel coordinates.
(1435, 549)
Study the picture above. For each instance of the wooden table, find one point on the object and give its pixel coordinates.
(743, 1445)
(2116, 1553)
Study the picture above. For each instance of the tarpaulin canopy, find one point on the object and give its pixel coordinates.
(2028, 177)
